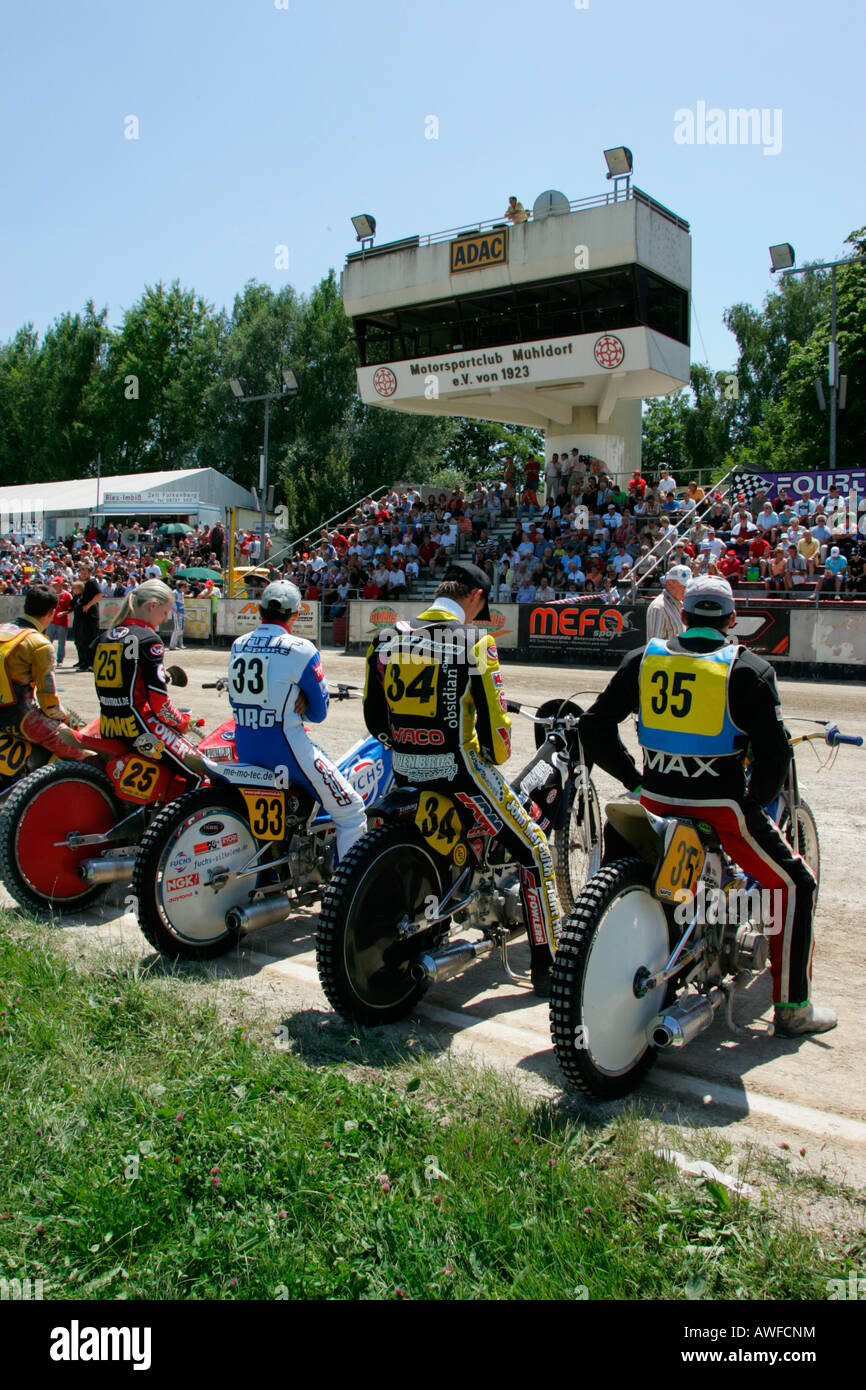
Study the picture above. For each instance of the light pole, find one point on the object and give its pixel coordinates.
(290, 387)
(782, 258)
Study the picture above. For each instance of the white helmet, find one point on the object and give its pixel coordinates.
(282, 596)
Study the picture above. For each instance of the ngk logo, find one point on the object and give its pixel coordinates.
(574, 622)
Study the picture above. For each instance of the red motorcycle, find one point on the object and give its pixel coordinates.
(71, 829)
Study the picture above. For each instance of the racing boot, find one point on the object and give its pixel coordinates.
(799, 1020)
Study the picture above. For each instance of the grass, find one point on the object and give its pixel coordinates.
(150, 1150)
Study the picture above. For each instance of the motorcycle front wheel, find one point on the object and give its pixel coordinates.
(204, 832)
(806, 841)
(598, 1023)
(362, 959)
(576, 853)
(38, 867)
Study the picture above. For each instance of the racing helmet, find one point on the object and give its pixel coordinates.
(708, 596)
(282, 598)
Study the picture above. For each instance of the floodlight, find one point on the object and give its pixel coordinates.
(782, 257)
(237, 387)
(619, 161)
(365, 225)
(292, 380)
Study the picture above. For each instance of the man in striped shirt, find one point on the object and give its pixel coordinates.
(663, 618)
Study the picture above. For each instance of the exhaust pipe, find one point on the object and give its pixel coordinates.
(436, 966)
(117, 869)
(683, 1022)
(275, 908)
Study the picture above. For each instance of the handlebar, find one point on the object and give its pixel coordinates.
(834, 737)
(564, 721)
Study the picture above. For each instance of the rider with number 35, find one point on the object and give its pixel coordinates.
(130, 677)
(703, 704)
(275, 681)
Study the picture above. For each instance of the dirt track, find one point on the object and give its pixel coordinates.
(760, 1088)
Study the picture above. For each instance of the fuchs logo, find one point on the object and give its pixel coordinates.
(211, 827)
(181, 860)
(365, 775)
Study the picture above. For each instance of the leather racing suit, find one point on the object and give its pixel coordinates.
(134, 704)
(269, 668)
(27, 665)
(703, 706)
(433, 692)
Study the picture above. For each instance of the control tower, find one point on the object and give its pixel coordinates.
(566, 321)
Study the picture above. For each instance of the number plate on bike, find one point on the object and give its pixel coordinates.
(267, 813)
(681, 867)
(438, 822)
(138, 779)
(13, 754)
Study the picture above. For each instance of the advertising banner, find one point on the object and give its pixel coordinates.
(813, 486)
(197, 619)
(367, 618)
(237, 615)
(576, 630)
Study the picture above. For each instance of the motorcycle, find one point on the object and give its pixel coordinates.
(242, 852)
(386, 916)
(70, 830)
(19, 756)
(659, 943)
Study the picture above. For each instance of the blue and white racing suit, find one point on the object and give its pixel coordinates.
(269, 669)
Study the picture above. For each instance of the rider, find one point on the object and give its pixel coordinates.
(27, 675)
(130, 677)
(275, 679)
(434, 682)
(703, 704)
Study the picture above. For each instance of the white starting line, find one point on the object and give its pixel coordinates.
(532, 1041)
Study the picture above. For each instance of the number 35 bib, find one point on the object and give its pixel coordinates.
(684, 701)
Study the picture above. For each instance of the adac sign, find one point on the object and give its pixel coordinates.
(477, 252)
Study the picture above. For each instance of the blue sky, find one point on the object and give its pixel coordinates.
(262, 126)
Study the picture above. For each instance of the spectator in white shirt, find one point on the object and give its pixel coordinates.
(767, 518)
(666, 484)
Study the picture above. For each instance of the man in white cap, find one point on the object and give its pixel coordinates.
(664, 615)
(275, 682)
(705, 703)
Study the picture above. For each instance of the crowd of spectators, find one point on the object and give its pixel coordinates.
(588, 535)
(540, 533)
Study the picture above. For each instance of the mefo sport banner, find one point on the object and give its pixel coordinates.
(576, 631)
(366, 618)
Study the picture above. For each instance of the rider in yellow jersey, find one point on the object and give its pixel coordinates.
(28, 695)
(434, 695)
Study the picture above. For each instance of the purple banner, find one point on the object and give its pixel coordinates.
(811, 485)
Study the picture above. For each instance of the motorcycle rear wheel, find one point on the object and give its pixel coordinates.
(597, 1022)
(363, 964)
(179, 914)
(38, 814)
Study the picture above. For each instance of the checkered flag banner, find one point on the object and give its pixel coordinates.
(747, 484)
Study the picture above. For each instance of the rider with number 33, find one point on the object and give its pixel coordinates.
(275, 681)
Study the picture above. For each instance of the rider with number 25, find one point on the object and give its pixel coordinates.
(134, 704)
(703, 704)
(434, 694)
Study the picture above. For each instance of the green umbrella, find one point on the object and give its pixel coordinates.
(199, 572)
(176, 528)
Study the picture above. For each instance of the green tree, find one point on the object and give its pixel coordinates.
(158, 372)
